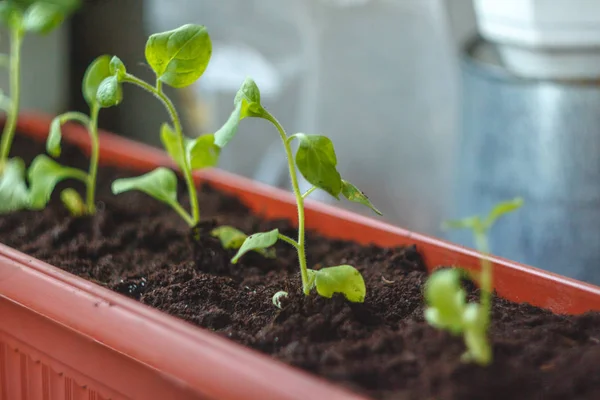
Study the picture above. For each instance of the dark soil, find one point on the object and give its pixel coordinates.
(382, 348)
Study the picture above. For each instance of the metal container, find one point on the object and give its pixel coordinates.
(539, 139)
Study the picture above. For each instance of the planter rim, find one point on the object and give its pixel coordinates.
(201, 360)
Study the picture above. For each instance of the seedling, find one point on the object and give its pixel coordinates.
(45, 173)
(21, 17)
(316, 161)
(447, 306)
(178, 58)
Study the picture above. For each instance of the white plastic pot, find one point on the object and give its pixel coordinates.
(544, 38)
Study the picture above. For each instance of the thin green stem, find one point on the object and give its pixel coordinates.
(288, 240)
(186, 169)
(486, 277)
(299, 202)
(308, 192)
(90, 197)
(182, 213)
(16, 40)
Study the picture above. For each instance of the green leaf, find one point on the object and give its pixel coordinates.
(473, 223)
(14, 195)
(343, 279)
(96, 72)
(246, 104)
(203, 152)
(200, 152)
(73, 202)
(169, 140)
(11, 14)
(117, 68)
(446, 300)
(261, 240)
(160, 184)
(352, 193)
(179, 57)
(43, 17)
(110, 92)
(232, 238)
(54, 137)
(502, 209)
(317, 162)
(44, 174)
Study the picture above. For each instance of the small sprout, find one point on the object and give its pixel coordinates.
(45, 173)
(317, 162)
(232, 239)
(14, 194)
(178, 58)
(277, 297)
(21, 17)
(447, 306)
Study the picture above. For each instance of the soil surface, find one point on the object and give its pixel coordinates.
(382, 348)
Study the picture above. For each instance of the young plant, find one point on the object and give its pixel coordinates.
(45, 173)
(316, 161)
(21, 17)
(178, 58)
(447, 306)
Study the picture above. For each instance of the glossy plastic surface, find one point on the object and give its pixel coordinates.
(62, 337)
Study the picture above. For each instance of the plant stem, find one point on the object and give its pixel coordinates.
(288, 240)
(482, 244)
(308, 192)
(16, 40)
(183, 214)
(299, 201)
(185, 167)
(93, 170)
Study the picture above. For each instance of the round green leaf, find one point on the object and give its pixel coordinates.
(256, 241)
(109, 92)
(96, 72)
(179, 57)
(43, 17)
(317, 162)
(343, 279)
(232, 238)
(73, 202)
(446, 300)
(170, 142)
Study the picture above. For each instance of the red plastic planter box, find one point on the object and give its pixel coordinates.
(62, 337)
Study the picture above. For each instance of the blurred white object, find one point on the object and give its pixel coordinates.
(544, 38)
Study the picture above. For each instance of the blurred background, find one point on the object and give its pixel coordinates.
(437, 108)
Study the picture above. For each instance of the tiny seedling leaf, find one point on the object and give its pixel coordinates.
(473, 223)
(95, 74)
(232, 239)
(43, 17)
(317, 162)
(54, 137)
(255, 241)
(180, 56)
(160, 184)
(501, 209)
(446, 300)
(171, 143)
(117, 68)
(277, 297)
(354, 194)
(202, 152)
(44, 174)
(14, 195)
(110, 92)
(343, 279)
(73, 202)
(246, 104)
